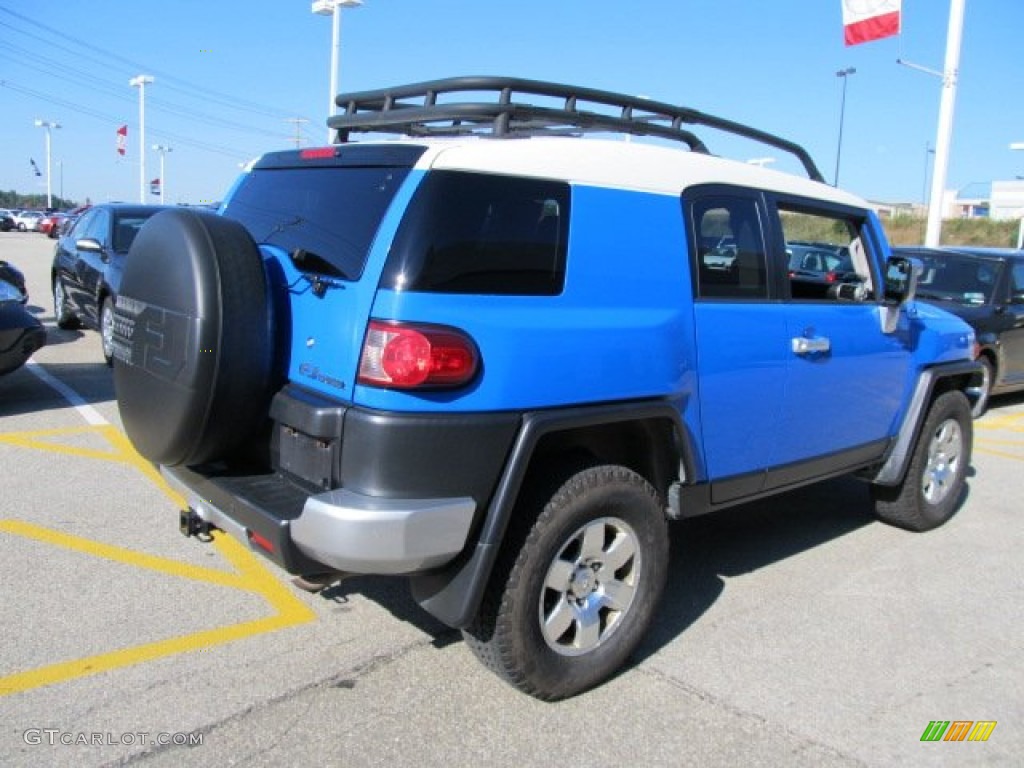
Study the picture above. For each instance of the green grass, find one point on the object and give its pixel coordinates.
(908, 230)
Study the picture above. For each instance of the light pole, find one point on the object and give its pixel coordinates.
(60, 165)
(140, 82)
(333, 8)
(48, 125)
(1018, 146)
(845, 74)
(163, 150)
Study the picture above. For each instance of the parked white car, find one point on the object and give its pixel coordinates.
(28, 221)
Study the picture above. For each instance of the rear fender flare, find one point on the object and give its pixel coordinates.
(453, 594)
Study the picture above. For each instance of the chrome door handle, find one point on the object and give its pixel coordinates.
(806, 346)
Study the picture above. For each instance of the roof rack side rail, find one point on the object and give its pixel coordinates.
(415, 110)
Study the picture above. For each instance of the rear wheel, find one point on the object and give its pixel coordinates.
(107, 329)
(934, 483)
(575, 589)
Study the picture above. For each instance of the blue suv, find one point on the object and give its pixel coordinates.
(498, 357)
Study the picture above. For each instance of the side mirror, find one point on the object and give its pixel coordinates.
(90, 244)
(901, 280)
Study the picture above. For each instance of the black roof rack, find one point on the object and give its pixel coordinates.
(415, 110)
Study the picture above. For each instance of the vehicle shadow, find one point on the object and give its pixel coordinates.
(23, 392)
(707, 550)
(704, 552)
(1006, 401)
(57, 336)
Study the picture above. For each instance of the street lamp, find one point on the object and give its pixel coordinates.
(141, 82)
(845, 74)
(333, 8)
(47, 124)
(1018, 146)
(163, 150)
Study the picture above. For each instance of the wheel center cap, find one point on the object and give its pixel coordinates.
(583, 581)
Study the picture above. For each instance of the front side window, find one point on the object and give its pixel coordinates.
(480, 233)
(824, 250)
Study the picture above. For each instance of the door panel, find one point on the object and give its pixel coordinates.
(846, 395)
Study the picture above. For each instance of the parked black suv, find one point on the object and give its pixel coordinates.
(984, 286)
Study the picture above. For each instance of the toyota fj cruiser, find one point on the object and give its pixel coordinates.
(497, 357)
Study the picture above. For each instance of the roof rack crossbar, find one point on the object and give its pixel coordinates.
(414, 110)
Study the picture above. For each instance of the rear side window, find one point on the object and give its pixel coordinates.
(325, 217)
(731, 260)
(480, 233)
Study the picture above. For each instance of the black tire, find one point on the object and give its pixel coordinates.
(107, 329)
(983, 390)
(63, 316)
(555, 566)
(193, 344)
(933, 486)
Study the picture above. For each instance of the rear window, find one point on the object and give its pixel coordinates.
(324, 216)
(484, 234)
(126, 227)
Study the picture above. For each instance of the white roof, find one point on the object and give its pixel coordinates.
(616, 164)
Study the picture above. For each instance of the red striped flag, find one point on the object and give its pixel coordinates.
(867, 20)
(122, 139)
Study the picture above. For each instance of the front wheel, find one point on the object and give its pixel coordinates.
(931, 490)
(568, 603)
(983, 389)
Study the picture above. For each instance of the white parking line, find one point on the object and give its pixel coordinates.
(86, 411)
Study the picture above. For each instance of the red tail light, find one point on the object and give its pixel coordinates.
(260, 541)
(407, 356)
(830, 277)
(317, 153)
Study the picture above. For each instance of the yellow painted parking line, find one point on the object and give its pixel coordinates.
(121, 555)
(250, 574)
(1002, 454)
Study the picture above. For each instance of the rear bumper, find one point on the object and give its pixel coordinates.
(356, 490)
(337, 530)
(20, 335)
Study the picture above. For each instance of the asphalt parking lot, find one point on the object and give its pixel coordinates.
(794, 632)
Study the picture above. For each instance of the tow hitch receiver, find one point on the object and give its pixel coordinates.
(191, 524)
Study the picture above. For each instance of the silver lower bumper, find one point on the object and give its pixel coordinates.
(354, 533)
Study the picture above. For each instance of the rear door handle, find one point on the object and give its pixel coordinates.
(806, 346)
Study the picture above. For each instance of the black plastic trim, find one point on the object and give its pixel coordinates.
(308, 412)
(702, 498)
(453, 594)
(896, 463)
(265, 503)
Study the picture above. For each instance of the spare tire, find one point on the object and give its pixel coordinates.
(193, 338)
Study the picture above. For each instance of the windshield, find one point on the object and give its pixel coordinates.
(957, 278)
(325, 217)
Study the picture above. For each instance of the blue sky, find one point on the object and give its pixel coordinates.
(230, 74)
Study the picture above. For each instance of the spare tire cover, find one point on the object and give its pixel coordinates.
(193, 341)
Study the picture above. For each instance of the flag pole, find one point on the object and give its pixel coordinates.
(950, 73)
